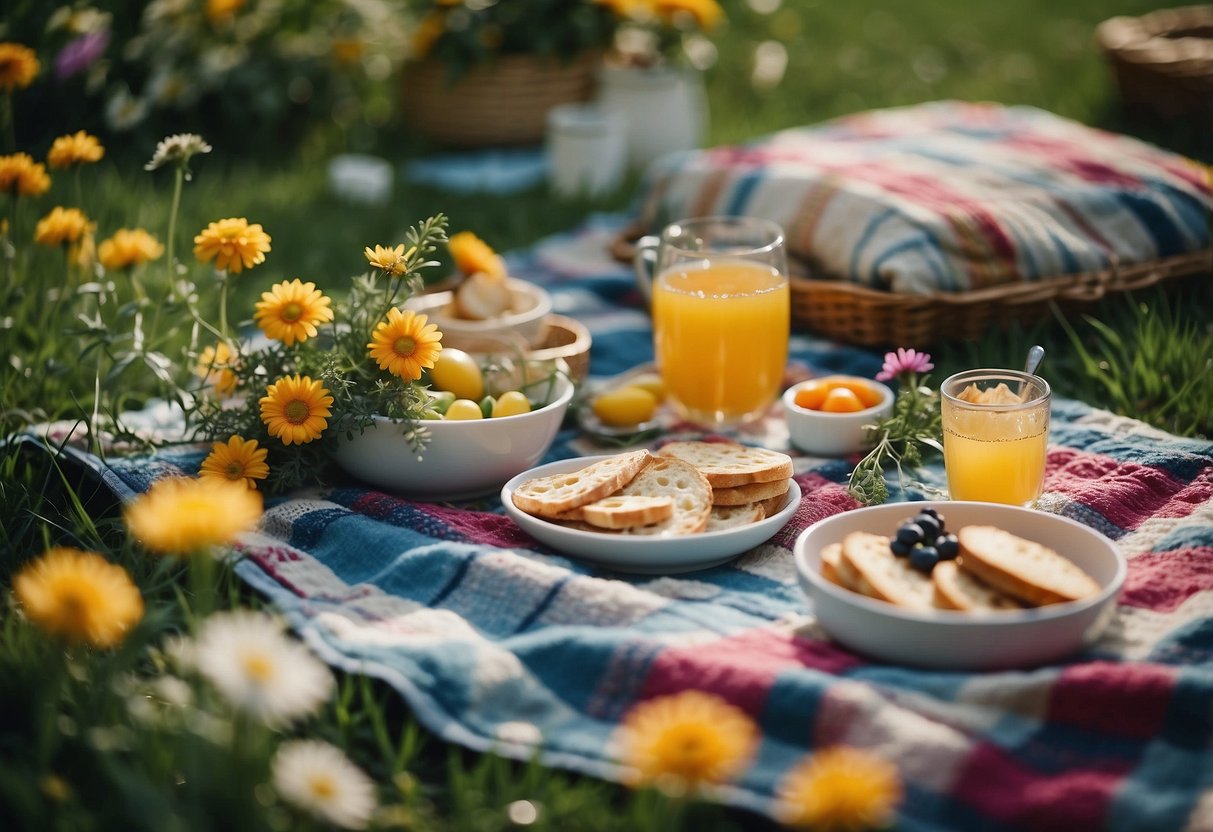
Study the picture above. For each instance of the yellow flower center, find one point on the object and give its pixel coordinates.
(234, 471)
(292, 312)
(404, 346)
(257, 667)
(297, 412)
(323, 787)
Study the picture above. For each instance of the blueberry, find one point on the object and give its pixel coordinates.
(948, 546)
(910, 533)
(930, 512)
(931, 527)
(899, 548)
(942, 523)
(924, 559)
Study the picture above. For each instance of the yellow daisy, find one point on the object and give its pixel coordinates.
(295, 409)
(129, 247)
(181, 516)
(472, 254)
(18, 66)
(290, 311)
(20, 174)
(233, 244)
(63, 226)
(79, 596)
(237, 460)
(405, 344)
(74, 149)
(390, 261)
(685, 740)
(840, 788)
(706, 14)
(215, 368)
(218, 11)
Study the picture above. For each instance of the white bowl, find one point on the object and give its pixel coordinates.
(524, 325)
(640, 554)
(952, 640)
(464, 458)
(834, 434)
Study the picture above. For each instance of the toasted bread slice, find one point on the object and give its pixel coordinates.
(621, 511)
(956, 589)
(689, 489)
(831, 557)
(754, 492)
(1024, 569)
(730, 517)
(553, 495)
(773, 505)
(869, 564)
(729, 464)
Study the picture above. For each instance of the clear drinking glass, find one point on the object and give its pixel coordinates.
(995, 435)
(721, 315)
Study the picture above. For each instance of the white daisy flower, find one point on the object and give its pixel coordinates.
(246, 656)
(178, 148)
(319, 779)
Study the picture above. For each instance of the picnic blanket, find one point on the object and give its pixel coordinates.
(947, 196)
(496, 642)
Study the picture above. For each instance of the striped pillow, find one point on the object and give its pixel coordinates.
(947, 196)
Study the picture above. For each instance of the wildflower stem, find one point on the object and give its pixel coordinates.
(170, 248)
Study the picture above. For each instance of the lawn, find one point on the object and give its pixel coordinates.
(72, 757)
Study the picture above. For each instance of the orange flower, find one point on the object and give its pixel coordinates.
(63, 226)
(233, 244)
(129, 247)
(472, 254)
(20, 174)
(18, 66)
(75, 149)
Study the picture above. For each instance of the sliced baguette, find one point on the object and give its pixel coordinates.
(773, 505)
(868, 564)
(730, 464)
(682, 482)
(621, 511)
(553, 495)
(730, 517)
(755, 492)
(831, 557)
(956, 589)
(1024, 569)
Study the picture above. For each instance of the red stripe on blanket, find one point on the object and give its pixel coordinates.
(1126, 700)
(482, 527)
(997, 785)
(820, 498)
(1126, 494)
(741, 668)
(1162, 581)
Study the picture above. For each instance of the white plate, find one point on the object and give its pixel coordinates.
(640, 554)
(957, 640)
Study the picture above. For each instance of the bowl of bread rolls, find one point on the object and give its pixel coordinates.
(485, 312)
(959, 585)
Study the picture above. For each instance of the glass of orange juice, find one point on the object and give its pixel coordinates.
(995, 435)
(721, 315)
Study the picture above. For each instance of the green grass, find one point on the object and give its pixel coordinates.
(1145, 356)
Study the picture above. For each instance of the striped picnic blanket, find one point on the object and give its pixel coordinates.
(498, 643)
(947, 196)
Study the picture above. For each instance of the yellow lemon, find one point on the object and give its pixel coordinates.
(651, 382)
(458, 372)
(463, 409)
(626, 406)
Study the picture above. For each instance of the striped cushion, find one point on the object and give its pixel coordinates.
(947, 196)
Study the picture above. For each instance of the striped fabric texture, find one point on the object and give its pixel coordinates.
(496, 642)
(947, 196)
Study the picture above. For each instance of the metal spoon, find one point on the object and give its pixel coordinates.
(1035, 355)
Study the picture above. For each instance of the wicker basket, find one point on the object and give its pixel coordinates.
(867, 317)
(503, 103)
(568, 339)
(1162, 61)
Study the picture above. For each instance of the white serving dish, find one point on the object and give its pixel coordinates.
(951, 640)
(834, 434)
(463, 458)
(641, 554)
(523, 326)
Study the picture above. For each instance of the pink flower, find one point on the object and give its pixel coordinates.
(904, 361)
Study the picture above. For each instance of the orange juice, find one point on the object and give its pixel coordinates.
(995, 453)
(721, 338)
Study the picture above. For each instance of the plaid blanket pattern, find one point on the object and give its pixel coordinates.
(498, 643)
(947, 196)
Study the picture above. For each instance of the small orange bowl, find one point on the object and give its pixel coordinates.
(824, 432)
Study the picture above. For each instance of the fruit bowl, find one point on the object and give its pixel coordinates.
(947, 639)
(524, 325)
(462, 459)
(826, 433)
